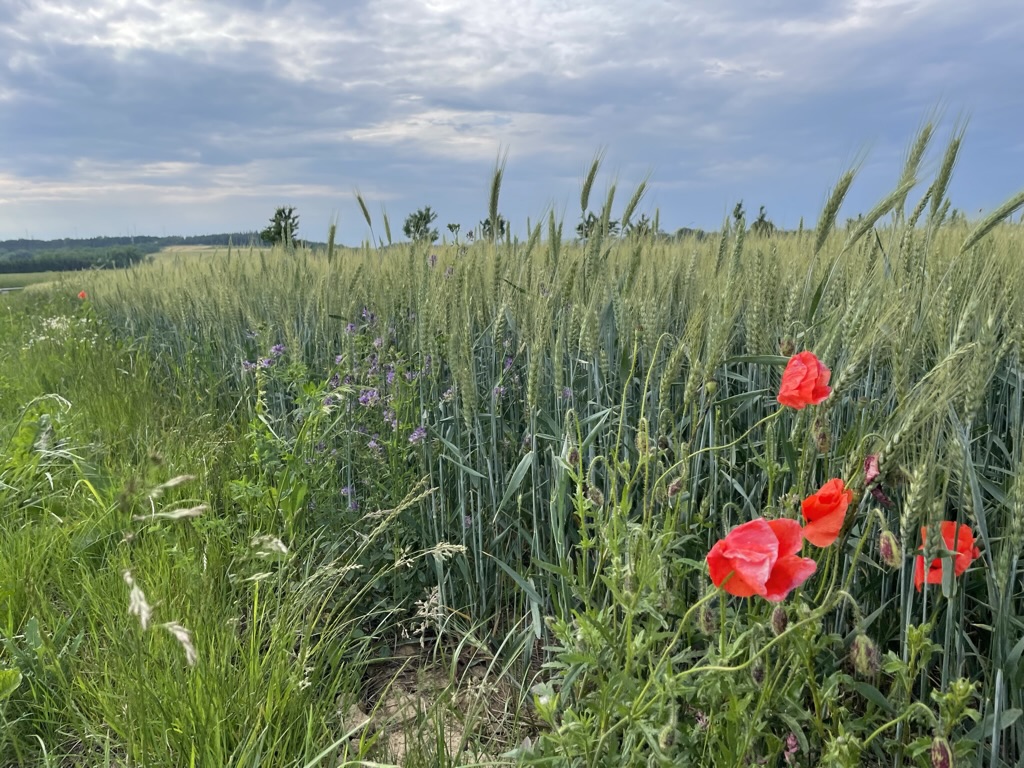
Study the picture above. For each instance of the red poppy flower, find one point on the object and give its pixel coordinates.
(804, 382)
(825, 511)
(957, 538)
(83, 295)
(760, 558)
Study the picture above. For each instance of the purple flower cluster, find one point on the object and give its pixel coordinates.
(277, 350)
(369, 398)
(417, 435)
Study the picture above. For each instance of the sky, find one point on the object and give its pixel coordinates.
(168, 117)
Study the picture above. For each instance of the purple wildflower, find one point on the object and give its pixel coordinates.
(449, 271)
(467, 521)
(432, 260)
(508, 364)
(348, 490)
(329, 401)
(277, 350)
(448, 395)
(378, 343)
(350, 329)
(339, 359)
(410, 375)
(566, 393)
(417, 435)
(368, 316)
(390, 374)
(499, 391)
(369, 398)
(334, 382)
(248, 365)
(266, 362)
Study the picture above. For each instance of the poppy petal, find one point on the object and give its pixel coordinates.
(789, 573)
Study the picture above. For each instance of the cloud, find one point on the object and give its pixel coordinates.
(239, 103)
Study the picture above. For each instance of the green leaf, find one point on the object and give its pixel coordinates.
(523, 584)
(757, 360)
(10, 679)
(32, 634)
(984, 728)
(872, 694)
(516, 480)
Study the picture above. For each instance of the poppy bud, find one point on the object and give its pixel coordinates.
(667, 737)
(710, 387)
(757, 672)
(780, 620)
(787, 347)
(596, 496)
(822, 436)
(708, 621)
(889, 549)
(675, 486)
(574, 457)
(823, 441)
(942, 753)
(864, 656)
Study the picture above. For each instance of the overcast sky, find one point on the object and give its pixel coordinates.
(199, 116)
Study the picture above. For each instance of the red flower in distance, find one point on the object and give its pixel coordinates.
(760, 558)
(804, 382)
(825, 512)
(83, 295)
(957, 538)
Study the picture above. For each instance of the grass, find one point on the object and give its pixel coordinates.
(460, 496)
(20, 279)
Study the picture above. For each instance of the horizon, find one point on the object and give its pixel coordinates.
(184, 120)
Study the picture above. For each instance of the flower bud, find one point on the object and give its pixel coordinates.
(675, 486)
(708, 621)
(757, 672)
(667, 737)
(941, 753)
(822, 436)
(787, 347)
(574, 457)
(710, 387)
(864, 656)
(780, 620)
(596, 496)
(889, 549)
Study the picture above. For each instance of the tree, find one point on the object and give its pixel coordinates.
(487, 234)
(640, 228)
(283, 228)
(589, 223)
(763, 225)
(417, 226)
